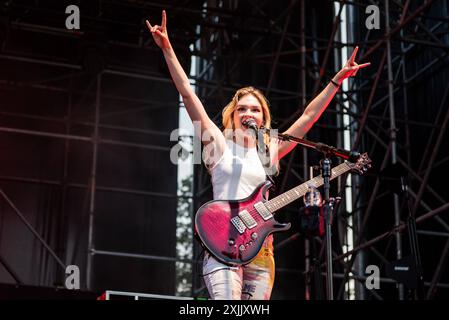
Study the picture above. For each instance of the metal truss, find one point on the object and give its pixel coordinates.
(229, 35)
(15, 20)
(408, 26)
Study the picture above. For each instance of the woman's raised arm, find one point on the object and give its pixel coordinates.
(193, 105)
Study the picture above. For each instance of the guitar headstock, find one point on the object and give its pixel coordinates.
(362, 165)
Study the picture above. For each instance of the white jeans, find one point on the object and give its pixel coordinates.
(252, 281)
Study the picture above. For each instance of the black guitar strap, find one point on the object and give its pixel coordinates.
(264, 155)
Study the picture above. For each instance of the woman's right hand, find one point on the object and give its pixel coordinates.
(159, 33)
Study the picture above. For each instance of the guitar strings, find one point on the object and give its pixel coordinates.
(257, 217)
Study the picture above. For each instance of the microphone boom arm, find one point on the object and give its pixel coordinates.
(351, 156)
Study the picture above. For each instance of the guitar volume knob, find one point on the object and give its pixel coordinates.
(242, 247)
(254, 235)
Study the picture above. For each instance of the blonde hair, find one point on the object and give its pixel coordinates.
(228, 114)
(228, 111)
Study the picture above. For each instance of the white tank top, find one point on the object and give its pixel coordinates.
(237, 173)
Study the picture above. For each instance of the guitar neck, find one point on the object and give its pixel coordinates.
(299, 191)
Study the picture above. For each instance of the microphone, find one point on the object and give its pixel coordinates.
(250, 124)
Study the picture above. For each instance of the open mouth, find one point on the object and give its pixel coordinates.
(245, 119)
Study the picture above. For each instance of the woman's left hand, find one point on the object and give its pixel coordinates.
(350, 68)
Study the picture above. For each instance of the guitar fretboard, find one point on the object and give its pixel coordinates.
(297, 192)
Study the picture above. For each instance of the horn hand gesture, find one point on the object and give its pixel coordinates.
(350, 68)
(159, 33)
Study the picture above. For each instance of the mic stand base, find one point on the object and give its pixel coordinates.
(326, 173)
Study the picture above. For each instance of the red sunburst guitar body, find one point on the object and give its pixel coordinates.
(220, 236)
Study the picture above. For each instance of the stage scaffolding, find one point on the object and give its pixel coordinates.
(289, 50)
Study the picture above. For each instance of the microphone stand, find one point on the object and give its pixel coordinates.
(326, 174)
(325, 164)
(413, 239)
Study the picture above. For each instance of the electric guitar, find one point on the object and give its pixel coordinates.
(233, 231)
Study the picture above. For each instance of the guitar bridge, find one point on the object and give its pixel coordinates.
(238, 224)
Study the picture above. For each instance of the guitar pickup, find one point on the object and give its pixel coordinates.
(238, 224)
(247, 219)
(263, 211)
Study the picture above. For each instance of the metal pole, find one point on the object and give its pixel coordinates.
(93, 182)
(397, 216)
(31, 228)
(10, 270)
(326, 173)
(434, 153)
(399, 228)
(439, 271)
(302, 31)
(354, 222)
(278, 52)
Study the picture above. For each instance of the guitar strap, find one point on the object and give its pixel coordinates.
(263, 152)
